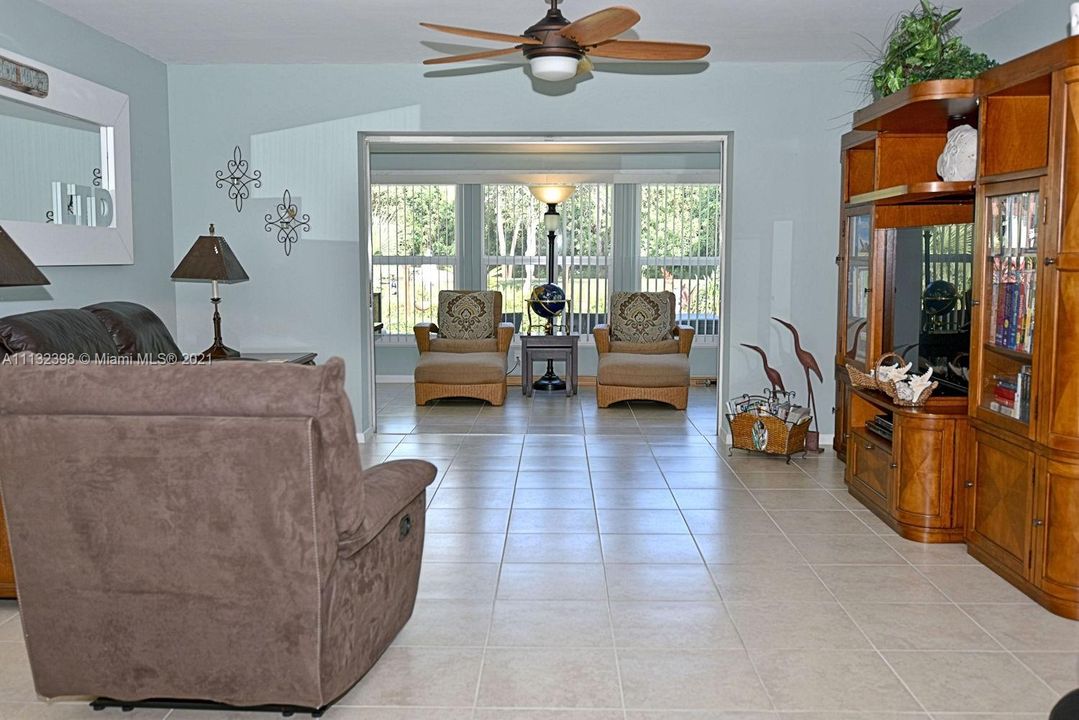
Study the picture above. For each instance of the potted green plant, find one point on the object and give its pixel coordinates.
(922, 46)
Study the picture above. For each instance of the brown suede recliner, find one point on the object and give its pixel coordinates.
(464, 355)
(203, 532)
(643, 353)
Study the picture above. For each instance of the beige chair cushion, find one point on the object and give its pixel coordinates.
(654, 348)
(468, 314)
(641, 317)
(652, 371)
(451, 345)
(450, 368)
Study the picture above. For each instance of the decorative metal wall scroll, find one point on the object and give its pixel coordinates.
(238, 179)
(288, 223)
(50, 216)
(97, 177)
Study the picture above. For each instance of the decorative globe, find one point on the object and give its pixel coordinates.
(547, 300)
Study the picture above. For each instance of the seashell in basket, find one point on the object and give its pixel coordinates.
(911, 388)
(893, 373)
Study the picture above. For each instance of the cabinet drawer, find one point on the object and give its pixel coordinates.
(871, 466)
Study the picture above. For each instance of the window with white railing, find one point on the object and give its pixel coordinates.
(515, 250)
(682, 247)
(418, 249)
(414, 252)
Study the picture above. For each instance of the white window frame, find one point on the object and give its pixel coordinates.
(406, 338)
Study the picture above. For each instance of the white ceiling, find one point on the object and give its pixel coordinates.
(386, 31)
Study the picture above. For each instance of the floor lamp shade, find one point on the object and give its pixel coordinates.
(15, 268)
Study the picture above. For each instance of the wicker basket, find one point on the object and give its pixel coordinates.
(866, 381)
(768, 433)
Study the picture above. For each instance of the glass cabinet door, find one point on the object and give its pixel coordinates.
(859, 245)
(1010, 300)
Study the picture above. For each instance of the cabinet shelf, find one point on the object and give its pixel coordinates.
(926, 107)
(1017, 355)
(918, 193)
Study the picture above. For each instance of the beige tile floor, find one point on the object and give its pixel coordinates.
(585, 564)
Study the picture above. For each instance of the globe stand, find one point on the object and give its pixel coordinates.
(550, 380)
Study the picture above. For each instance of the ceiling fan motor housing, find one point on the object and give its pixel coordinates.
(554, 44)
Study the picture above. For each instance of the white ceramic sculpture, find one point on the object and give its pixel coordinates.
(959, 161)
(1075, 18)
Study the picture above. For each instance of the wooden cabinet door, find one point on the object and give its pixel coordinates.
(856, 324)
(1056, 534)
(925, 487)
(1060, 334)
(842, 414)
(870, 469)
(1000, 503)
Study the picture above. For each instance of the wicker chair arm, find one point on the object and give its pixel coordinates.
(423, 332)
(504, 333)
(685, 334)
(602, 334)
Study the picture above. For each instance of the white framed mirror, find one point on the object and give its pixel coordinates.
(65, 166)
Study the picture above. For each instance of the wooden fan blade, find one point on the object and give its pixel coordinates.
(601, 25)
(649, 50)
(470, 56)
(482, 34)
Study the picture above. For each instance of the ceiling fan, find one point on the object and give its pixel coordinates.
(558, 49)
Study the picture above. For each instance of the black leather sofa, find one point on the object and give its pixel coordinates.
(103, 330)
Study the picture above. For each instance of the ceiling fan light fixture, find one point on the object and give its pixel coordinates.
(553, 68)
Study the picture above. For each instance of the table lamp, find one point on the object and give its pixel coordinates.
(15, 268)
(211, 259)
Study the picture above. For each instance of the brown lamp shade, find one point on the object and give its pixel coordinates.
(15, 268)
(210, 258)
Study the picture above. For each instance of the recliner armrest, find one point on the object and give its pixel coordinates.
(388, 488)
(602, 334)
(504, 333)
(423, 332)
(685, 334)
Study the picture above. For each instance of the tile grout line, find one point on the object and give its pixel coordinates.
(715, 585)
(498, 582)
(839, 603)
(995, 639)
(606, 586)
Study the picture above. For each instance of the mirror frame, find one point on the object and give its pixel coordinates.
(49, 244)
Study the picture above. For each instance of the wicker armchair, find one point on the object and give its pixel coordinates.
(643, 354)
(464, 355)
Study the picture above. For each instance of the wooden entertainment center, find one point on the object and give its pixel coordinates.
(979, 280)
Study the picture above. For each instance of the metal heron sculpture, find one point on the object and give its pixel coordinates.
(773, 375)
(809, 364)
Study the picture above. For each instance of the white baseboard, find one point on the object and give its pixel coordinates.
(393, 378)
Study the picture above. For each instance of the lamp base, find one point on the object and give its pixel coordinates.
(219, 351)
(550, 381)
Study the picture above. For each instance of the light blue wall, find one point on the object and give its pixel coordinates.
(1026, 27)
(786, 119)
(36, 31)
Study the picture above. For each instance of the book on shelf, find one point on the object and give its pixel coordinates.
(1014, 291)
(1011, 394)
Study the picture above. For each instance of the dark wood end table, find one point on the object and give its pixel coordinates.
(559, 347)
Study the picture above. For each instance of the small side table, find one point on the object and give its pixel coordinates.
(562, 348)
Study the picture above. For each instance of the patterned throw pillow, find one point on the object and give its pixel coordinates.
(467, 315)
(642, 317)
